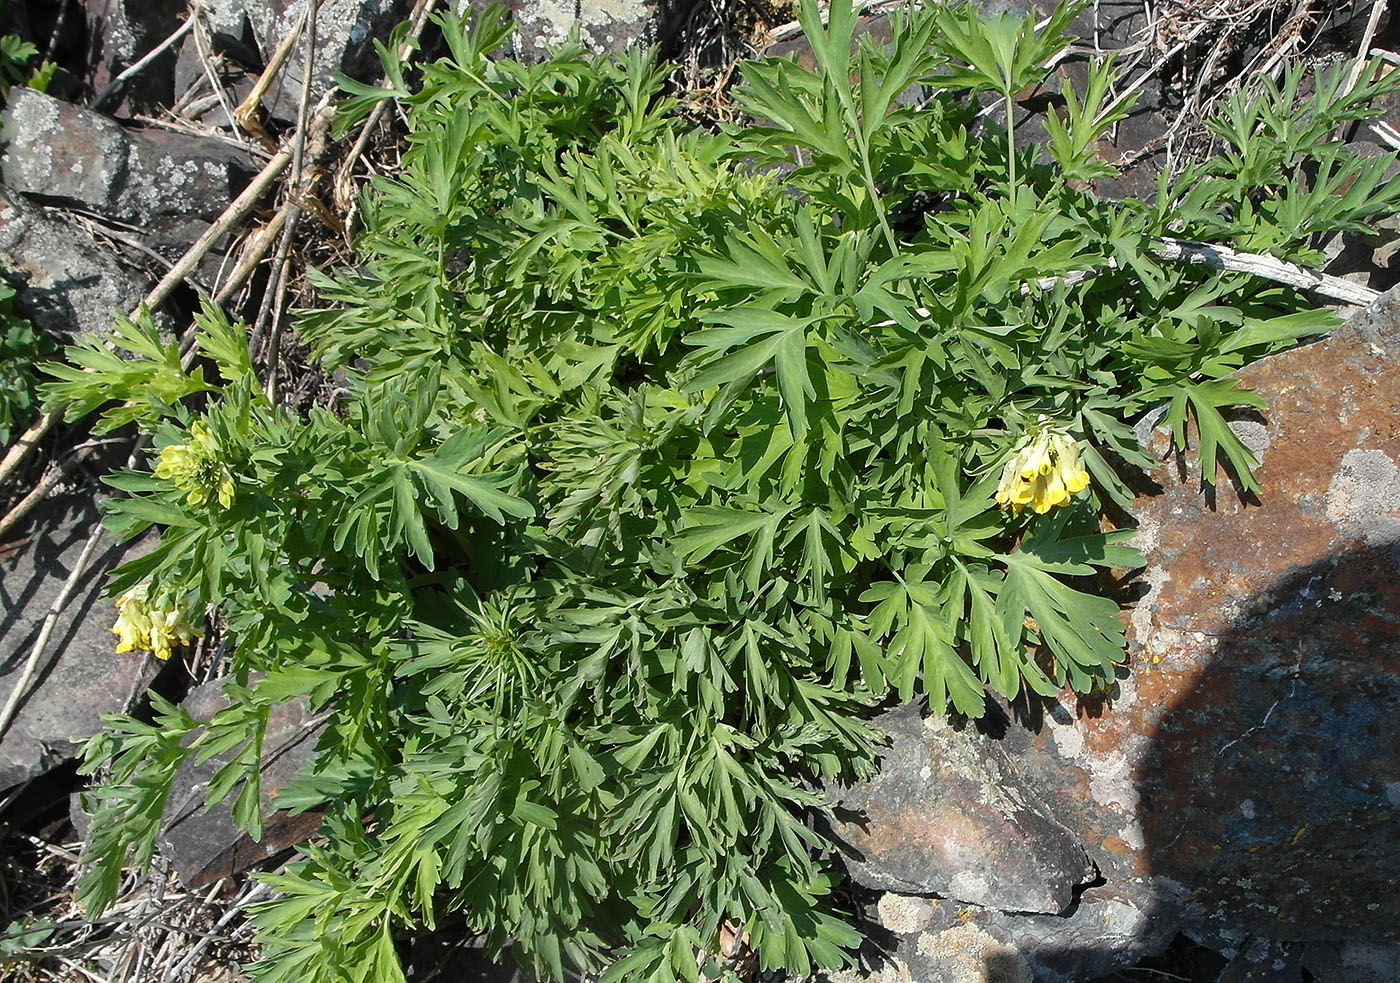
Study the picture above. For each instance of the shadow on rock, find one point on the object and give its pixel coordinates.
(1240, 789)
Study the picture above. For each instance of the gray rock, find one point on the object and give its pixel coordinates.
(948, 815)
(955, 943)
(1354, 962)
(603, 25)
(1262, 960)
(123, 32)
(205, 845)
(251, 30)
(67, 284)
(81, 677)
(63, 153)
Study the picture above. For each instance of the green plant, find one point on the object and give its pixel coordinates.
(669, 456)
(16, 65)
(21, 347)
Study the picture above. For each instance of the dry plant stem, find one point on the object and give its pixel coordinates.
(1388, 134)
(251, 256)
(252, 894)
(57, 31)
(1377, 8)
(274, 339)
(232, 215)
(205, 49)
(53, 476)
(294, 210)
(290, 215)
(1225, 258)
(145, 60)
(246, 115)
(342, 179)
(25, 443)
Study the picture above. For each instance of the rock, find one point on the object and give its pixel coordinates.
(62, 153)
(603, 25)
(205, 845)
(1264, 961)
(122, 32)
(1251, 757)
(67, 285)
(250, 31)
(1099, 933)
(1353, 962)
(952, 818)
(80, 677)
(1241, 784)
(902, 914)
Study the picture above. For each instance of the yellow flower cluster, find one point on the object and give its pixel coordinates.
(143, 625)
(1043, 473)
(197, 468)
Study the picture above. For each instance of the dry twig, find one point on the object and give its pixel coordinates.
(246, 115)
(341, 186)
(136, 68)
(1377, 8)
(232, 215)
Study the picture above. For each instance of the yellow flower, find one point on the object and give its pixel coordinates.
(155, 628)
(197, 468)
(1043, 473)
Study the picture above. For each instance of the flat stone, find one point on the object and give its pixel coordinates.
(947, 815)
(67, 284)
(80, 676)
(1100, 933)
(204, 845)
(66, 154)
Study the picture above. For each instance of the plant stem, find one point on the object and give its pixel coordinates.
(1010, 147)
(870, 188)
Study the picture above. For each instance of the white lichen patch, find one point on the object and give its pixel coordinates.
(903, 914)
(1068, 740)
(1253, 435)
(1111, 782)
(31, 117)
(1363, 499)
(969, 954)
(890, 970)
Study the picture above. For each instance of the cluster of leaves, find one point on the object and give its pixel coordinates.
(668, 456)
(22, 346)
(17, 66)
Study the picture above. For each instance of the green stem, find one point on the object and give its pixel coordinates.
(1010, 147)
(874, 194)
(863, 148)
